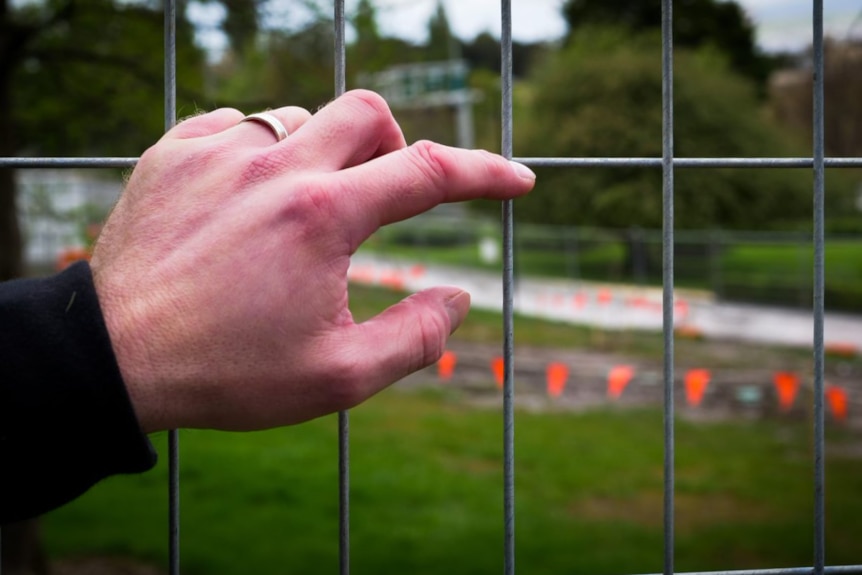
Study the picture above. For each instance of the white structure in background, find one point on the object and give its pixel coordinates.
(429, 85)
(50, 207)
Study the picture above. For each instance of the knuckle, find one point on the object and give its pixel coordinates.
(430, 159)
(313, 201)
(348, 387)
(371, 101)
(313, 213)
(433, 330)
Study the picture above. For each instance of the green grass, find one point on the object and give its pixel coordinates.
(426, 484)
(426, 495)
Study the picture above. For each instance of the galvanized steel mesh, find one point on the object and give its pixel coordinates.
(667, 163)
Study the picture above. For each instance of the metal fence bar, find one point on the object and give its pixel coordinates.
(538, 162)
(508, 300)
(170, 95)
(67, 163)
(343, 416)
(830, 570)
(535, 162)
(819, 288)
(667, 277)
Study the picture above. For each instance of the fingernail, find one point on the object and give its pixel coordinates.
(457, 307)
(522, 171)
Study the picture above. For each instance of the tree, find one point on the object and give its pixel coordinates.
(241, 23)
(282, 66)
(791, 96)
(696, 23)
(601, 97)
(371, 51)
(483, 52)
(442, 45)
(106, 60)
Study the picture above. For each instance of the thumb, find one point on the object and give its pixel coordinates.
(409, 335)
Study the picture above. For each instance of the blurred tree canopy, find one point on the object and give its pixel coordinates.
(80, 78)
(601, 97)
(106, 60)
(696, 23)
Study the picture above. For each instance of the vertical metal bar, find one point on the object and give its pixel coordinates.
(667, 278)
(170, 95)
(343, 416)
(819, 285)
(508, 302)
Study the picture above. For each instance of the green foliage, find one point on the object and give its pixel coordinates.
(601, 96)
(441, 44)
(371, 52)
(722, 25)
(284, 67)
(91, 83)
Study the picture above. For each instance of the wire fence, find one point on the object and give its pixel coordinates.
(668, 163)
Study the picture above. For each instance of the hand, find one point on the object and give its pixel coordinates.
(222, 271)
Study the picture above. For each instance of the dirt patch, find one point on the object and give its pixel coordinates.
(692, 512)
(736, 390)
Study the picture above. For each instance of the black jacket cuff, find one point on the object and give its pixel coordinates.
(66, 420)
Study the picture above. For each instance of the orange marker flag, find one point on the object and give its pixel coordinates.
(604, 296)
(618, 378)
(696, 381)
(498, 368)
(786, 385)
(837, 398)
(446, 365)
(556, 375)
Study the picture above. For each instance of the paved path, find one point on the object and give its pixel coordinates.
(613, 306)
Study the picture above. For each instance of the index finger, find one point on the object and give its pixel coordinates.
(412, 180)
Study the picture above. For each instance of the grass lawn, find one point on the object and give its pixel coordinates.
(426, 491)
(426, 495)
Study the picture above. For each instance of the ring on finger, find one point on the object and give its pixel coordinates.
(270, 121)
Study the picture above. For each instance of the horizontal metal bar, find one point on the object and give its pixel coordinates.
(67, 162)
(535, 162)
(687, 162)
(833, 570)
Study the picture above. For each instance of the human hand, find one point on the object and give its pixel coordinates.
(222, 271)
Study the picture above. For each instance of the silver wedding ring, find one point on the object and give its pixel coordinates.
(270, 121)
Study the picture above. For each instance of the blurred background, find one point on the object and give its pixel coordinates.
(84, 78)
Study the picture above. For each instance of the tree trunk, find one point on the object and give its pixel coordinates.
(22, 549)
(10, 234)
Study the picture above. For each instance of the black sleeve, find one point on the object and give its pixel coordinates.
(66, 420)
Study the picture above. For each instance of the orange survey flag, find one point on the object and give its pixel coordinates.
(786, 385)
(556, 375)
(618, 378)
(497, 367)
(696, 381)
(837, 398)
(604, 296)
(446, 365)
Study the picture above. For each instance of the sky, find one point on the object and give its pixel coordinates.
(780, 24)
